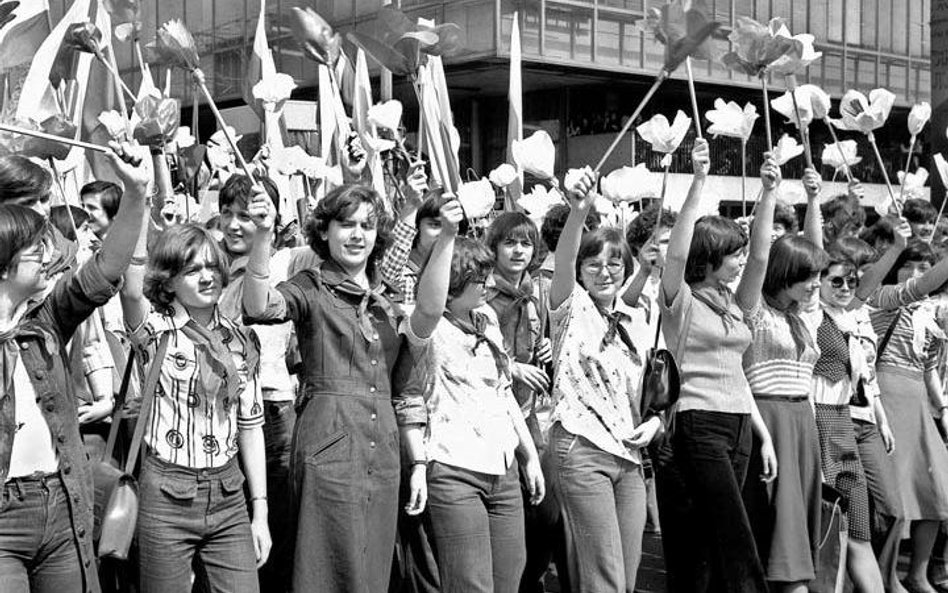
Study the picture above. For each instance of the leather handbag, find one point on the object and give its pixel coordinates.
(661, 384)
(116, 491)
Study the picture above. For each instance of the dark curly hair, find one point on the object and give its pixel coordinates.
(915, 252)
(340, 204)
(641, 228)
(715, 238)
(552, 226)
(22, 178)
(173, 250)
(471, 261)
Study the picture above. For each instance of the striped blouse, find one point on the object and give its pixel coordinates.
(772, 364)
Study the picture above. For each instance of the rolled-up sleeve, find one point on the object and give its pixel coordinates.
(77, 295)
(286, 302)
(412, 378)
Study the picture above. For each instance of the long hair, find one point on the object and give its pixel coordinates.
(172, 252)
(20, 227)
(715, 238)
(340, 204)
(792, 259)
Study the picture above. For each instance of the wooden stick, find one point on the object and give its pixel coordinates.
(743, 178)
(842, 155)
(941, 210)
(885, 174)
(908, 163)
(694, 97)
(804, 136)
(663, 75)
(54, 138)
(661, 203)
(770, 135)
(198, 76)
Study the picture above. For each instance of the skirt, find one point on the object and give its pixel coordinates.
(842, 467)
(785, 513)
(920, 456)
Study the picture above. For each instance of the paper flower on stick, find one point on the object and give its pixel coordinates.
(662, 136)
(728, 119)
(683, 32)
(757, 46)
(799, 58)
(536, 155)
(294, 160)
(314, 36)
(387, 115)
(183, 138)
(913, 184)
(84, 37)
(918, 117)
(630, 184)
(126, 16)
(402, 44)
(503, 175)
(476, 198)
(860, 114)
(56, 125)
(787, 149)
(832, 158)
(159, 118)
(174, 47)
(784, 106)
(274, 90)
(539, 201)
(114, 125)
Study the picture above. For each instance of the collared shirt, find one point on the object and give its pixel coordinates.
(187, 427)
(470, 404)
(33, 449)
(596, 382)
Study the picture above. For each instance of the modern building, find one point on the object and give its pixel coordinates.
(586, 64)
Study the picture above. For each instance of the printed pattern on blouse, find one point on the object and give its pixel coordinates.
(186, 427)
(772, 364)
(596, 385)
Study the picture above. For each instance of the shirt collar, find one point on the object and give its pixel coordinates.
(179, 317)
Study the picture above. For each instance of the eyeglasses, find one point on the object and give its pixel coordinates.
(595, 267)
(851, 281)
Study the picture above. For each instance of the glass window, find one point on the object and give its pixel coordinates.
(818, 19)
(924, 84)
(477, 25)
(607, 40)
(743, 8)
(853, 18)
(900, 26)
(719, 71)
(799, 24)
(627, 4)
(885, 25)
(632, 54)
(762, 10)
(721, 11)
(529, 29)
(834, 21)
(869, 23)
(866, 73)
(849, 73)
(916, 27)
(557, 42)
(897, 77)
(782, 9)
(833, 73)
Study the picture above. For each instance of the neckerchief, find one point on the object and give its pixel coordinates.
(718, 300)
(477, 328)
(802, 338)
(615, 329)
(513, 312)
(376, 295)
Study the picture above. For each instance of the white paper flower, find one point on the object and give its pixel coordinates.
(274, 89)
(820, 102)
(787, 149)
(918, 117)
(860, 114)
(539, 201)
(503, 175)
(812, 101)
(942, 167)
(294, 160)
(183, 137)
(666, 161)
(572, 177)
(476, 198)
(219, 139)
(913, 184)
(728, 119)
(831, 155)
(605, 208)
(114, 124)
(377, 145)
(630, 184)
(797, 60)
(662, 136)
(536, 155)
(386, 115)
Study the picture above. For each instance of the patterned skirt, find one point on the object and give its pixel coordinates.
(842, 468)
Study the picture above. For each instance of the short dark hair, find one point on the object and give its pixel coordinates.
(172, 251)
(715, 237)
(238, 190)
(643, 225)
(883, 230)
(59, 217)
(20, 227)
(856, 250)
(110, 195)
(471, 261)
(20, 178)
(339, 204)
(919, 211)
(555, 220)
(792, 259)
(837, 255)
(915, 251)
(599, 240)
(785, 215)
(513, 225)
(840, 212)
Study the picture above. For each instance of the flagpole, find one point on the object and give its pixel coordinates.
(694, 97)
(199, 79)
(53, 138)
(662, 76)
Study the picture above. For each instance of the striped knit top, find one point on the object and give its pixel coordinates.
(772, 364)
(913, 344)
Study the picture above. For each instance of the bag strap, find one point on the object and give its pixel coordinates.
(119, 414)
(888, 335)
(148, 399)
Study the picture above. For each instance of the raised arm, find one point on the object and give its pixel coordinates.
(434, 280)
(119, 243)
(256, 280)
(648, 257)
(135, 306)
(679, 241)
(581, 198)
(752, 282)
(874, 276)
(813, 221)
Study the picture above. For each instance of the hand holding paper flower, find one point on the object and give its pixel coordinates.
(477, 198)
(536, 155)
(787, 149)
(728, 119)
(662, 136)
(840, 155)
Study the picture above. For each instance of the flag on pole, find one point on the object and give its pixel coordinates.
(515, 112)
(261, 63)
(361, 101)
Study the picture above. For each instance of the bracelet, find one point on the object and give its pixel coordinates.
(257, 275)
(255, 498)
(139, 260)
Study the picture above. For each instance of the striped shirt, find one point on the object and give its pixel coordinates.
(903, 348)
(185, 428)
(772, 364)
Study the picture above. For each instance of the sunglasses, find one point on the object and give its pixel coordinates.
(851, 281)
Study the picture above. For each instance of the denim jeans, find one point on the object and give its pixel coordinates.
(38, 553)
(477, 525)
(602, 499)
(707, 537)
(279, 419)
(545, 535)
(185, 512)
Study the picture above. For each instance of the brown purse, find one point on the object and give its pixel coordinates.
(116, 491)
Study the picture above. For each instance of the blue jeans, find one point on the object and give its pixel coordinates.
(38, 552)
(602, 499)
(279, 418)
(477, 526)
(185, 512)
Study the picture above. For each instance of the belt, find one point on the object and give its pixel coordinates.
(781, 398)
